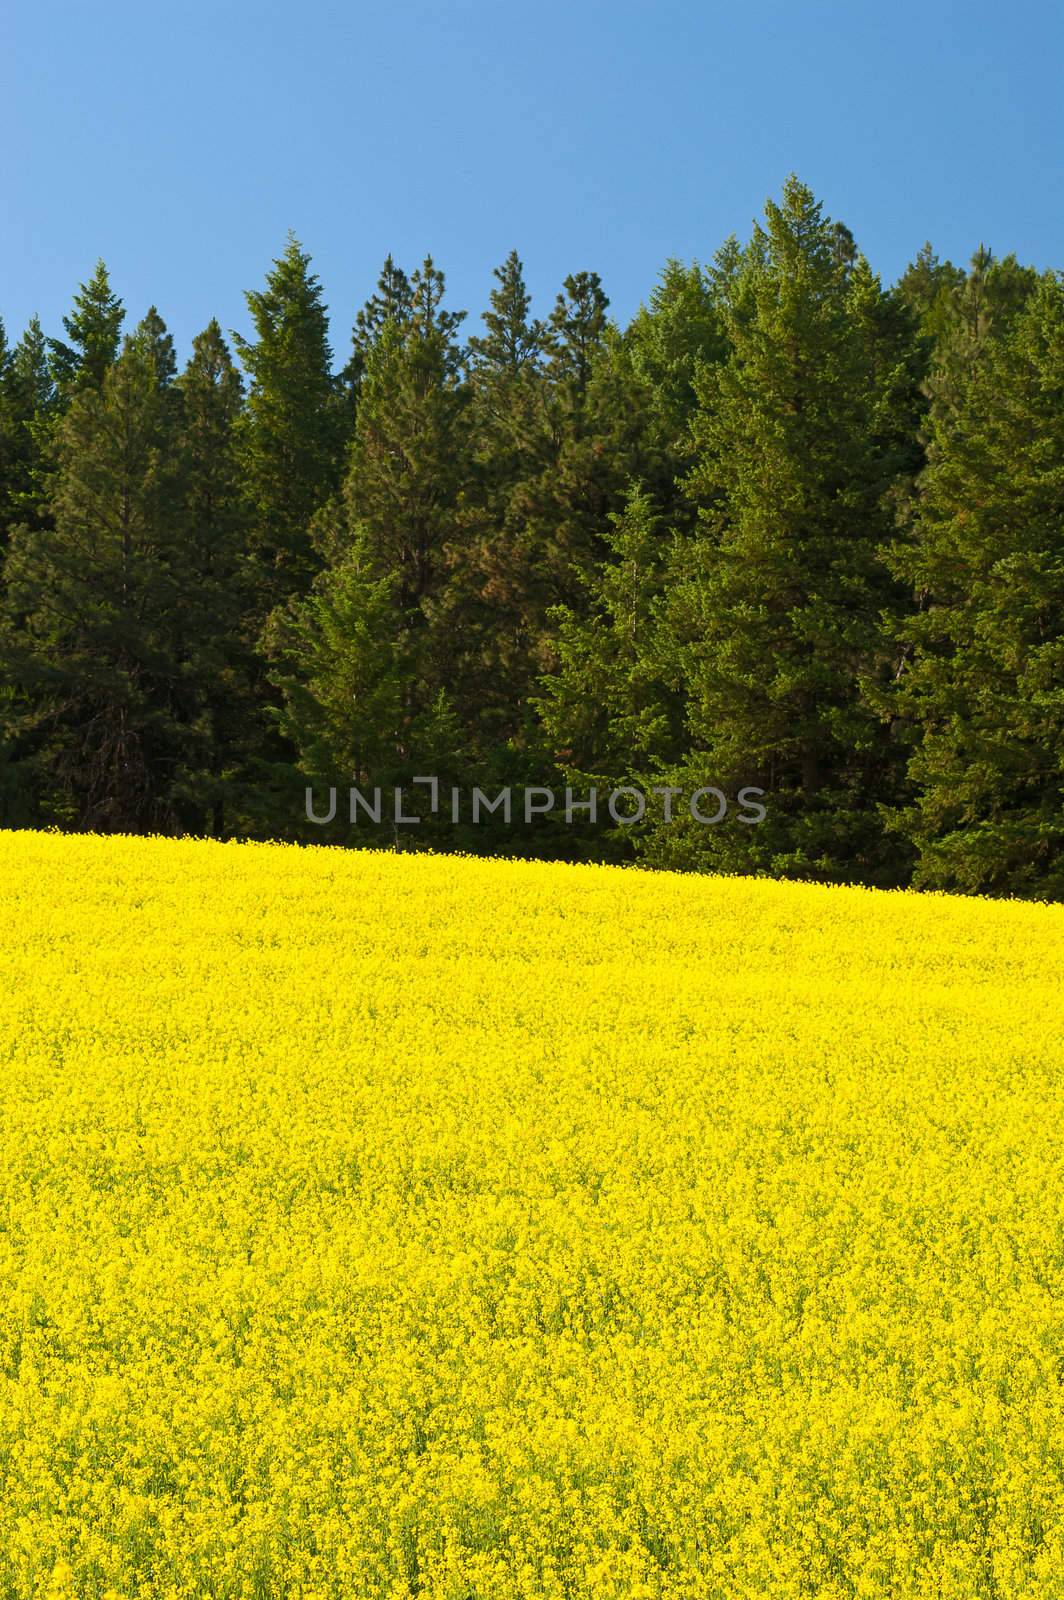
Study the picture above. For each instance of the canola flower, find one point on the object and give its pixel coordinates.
(381, 1225)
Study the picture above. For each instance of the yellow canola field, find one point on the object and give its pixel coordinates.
(381, 1226)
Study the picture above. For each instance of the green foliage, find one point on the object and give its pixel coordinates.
(776, 602)
(89, 645)
(94, 328)
(983, 681)
(340, 666)
(218, 618)
(789, 530)
(513, 343)
(293, 424)
(672, 339)
(609, 711)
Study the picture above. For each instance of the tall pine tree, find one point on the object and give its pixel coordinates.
(777, 601)
(292, 428)
(93, 328)
(91, 599)
(982, 680)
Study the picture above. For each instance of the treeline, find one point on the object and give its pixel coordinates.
(788, 529)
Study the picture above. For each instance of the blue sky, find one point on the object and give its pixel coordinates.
(181, 141)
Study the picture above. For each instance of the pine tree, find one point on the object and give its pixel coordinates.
(94, 329)
(10, 431)
(46, 375)
(979, 309)
(576, 328)
(559, 433)
(292, 428)
(982, 680)
(610, 712)
(897, 357)
(89, 643)
(338, 661)
(591, 416)
(390, 303)
(388, 548)
(408, 452)
(777, 601)
(396, 301)
(671, 339)
(513, 343)
(27, 410)
(928, 287)
(228, 735)
(491, 587)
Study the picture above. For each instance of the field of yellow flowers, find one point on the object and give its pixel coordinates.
(380, 1225)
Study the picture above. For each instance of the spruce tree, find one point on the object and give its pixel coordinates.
(388, 546)
(981, 681)
(94, 328)
(407, 458)
(89, 643)
(292, 428)
(492, 587)
(610, 711)
(218, 621)
(29, 403)
(672, 338)
(338, 661)
(777, 601)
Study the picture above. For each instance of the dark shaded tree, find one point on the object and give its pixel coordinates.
(777, 603)
(983, 679)
(291, 433)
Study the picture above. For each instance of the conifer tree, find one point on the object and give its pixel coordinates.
(928, 287)
(777, 601)
(390, 302)
(589, 414)
(292, 428)
(94, 329)
(897, 357)
(338, 660)
(28, 404)
(90, 602)
(513, 342)
(576, 328)
(10, 430)
(979, 309)
(787, 530)
(27, 407)
(407, 455)
(982, 679)
(491, 588)
(560, 441)
(388, 548)
(672, 338)
(610, 711)
(218, 621)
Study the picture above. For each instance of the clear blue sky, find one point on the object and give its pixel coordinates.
(182, 140)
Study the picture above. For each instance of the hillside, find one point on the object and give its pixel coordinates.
(383, 1225)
